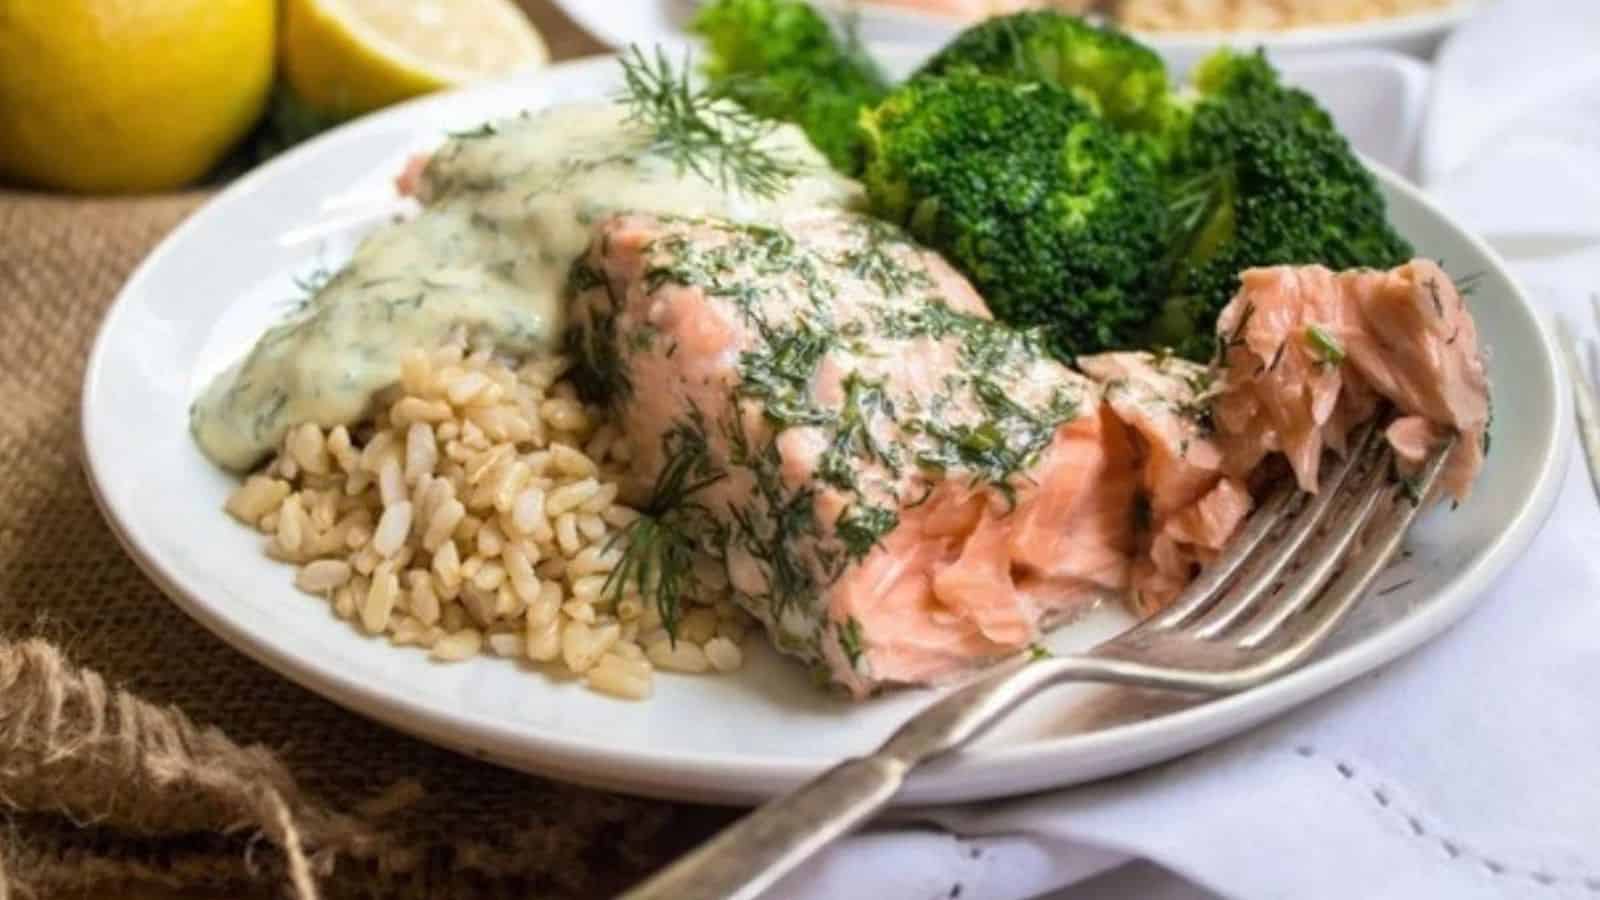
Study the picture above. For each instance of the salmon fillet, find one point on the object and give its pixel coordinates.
(897, 487)
(1307, 354)
(901, 489)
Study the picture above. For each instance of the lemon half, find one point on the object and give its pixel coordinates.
(346, 57)
(118, 97)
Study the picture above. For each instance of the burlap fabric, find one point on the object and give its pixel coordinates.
(138, 751)
(140, 756)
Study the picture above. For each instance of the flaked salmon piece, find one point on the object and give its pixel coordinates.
(1190, 506)
(900, 488)
(409, 182)
(1307, 354)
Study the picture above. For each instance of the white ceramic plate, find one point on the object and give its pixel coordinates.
(210, 288)
(621, 22)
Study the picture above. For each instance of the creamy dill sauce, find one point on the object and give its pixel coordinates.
(506, 210)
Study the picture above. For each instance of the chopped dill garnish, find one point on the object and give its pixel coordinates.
(1433, 294)
(1197, 410)
(861, 527)
(871, 260)
(1327, 347)
(773, 526)
(487, 129)
(999, 447)
(1277, 357)
(780, 370)
(1037, 652)
(1224, 344)
(1396, 586)
(1488, 426)
(1201, 381)
(853, 440)
(850, 640)
(715, 139)
(314, 281)
(1411, 489)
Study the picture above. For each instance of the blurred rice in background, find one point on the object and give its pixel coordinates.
(1192, 15)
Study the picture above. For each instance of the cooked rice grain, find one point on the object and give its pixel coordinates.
(466, 519)
(1266, 15)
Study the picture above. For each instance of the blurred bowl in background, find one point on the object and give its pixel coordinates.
(622, 22)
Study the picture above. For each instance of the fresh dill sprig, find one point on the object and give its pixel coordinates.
(662, 543)
(717, 140)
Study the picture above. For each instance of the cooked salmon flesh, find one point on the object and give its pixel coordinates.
(901, 489)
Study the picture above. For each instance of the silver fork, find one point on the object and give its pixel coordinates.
(1585, 404)
(1281, 587)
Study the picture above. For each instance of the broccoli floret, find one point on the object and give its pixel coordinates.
(1122, 79)
(1260, 176)
(780, 59)
(1030, 194)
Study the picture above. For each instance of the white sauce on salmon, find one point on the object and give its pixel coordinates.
(507, 209)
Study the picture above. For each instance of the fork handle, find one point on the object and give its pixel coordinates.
(752, 854)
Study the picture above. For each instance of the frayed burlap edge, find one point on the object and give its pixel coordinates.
(209, 813)
(93, 754)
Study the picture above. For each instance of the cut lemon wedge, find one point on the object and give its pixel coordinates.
(346, 57)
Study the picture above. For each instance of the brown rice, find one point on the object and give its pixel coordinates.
(1231, 15)
(478, 511)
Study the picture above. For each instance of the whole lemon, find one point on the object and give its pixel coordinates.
(128, 95)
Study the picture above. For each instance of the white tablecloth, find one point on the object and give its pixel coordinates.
(1470, 769)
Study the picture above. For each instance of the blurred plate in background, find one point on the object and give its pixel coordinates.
(621, 22)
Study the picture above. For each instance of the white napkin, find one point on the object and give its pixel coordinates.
(1470, 768)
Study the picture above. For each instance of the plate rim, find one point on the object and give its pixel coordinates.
(637, 769)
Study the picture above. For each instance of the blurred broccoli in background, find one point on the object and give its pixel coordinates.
(1025, 189)
(1123, 80)
(782, 60)
(1259, 175)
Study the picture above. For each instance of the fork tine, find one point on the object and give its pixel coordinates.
(1380, 543)
(1201, 592)
(1257, 580)
(1205, 591)
(1324, 557)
